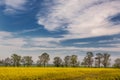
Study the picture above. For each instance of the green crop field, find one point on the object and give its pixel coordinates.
(34, 73)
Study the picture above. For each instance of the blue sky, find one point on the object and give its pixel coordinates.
(59, 27)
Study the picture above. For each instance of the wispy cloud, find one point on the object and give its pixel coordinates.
(112, 40)
(7, 39)
(28, 30)
(47, 42)
(11, 6)
(81, 43)
(80, 18)
(70, 27)
(34, 46)
(9, 43)
(1, 2)
(4, 34)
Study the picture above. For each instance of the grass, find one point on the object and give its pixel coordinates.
(35, 73)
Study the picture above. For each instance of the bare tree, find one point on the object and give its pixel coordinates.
(89, 60)
(57, 61)
(16, 59)
(74, 60)
(43, 59)
(27, 60)
(67, 60)
(7, 62)
(117, 63)
(98, 59)
(1, 62)
(106, 59)
(39, 62)
(85, 62)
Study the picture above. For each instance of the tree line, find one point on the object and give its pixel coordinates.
(99, 60)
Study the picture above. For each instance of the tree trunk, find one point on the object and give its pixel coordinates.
(99, 63)
(44, 64)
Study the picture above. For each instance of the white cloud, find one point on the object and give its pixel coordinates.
(82, 43)
(17, 4)
(83, 18)
(16, 42)
(111, 49)
(112, 40)
(9, 43)
(4, 34)
(12, 5)
(8, 39)
(28, 30)
(46, 42)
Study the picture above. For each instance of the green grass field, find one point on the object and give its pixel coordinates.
(34, 73)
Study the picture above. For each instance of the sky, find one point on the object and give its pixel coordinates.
(59, 27)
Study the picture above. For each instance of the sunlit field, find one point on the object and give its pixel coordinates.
(34, 73)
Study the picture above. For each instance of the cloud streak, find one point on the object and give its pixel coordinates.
(11, 6)
(70, 26)
(9, 42)
(81, 18)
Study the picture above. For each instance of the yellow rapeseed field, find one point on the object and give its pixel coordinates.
(34, 73)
